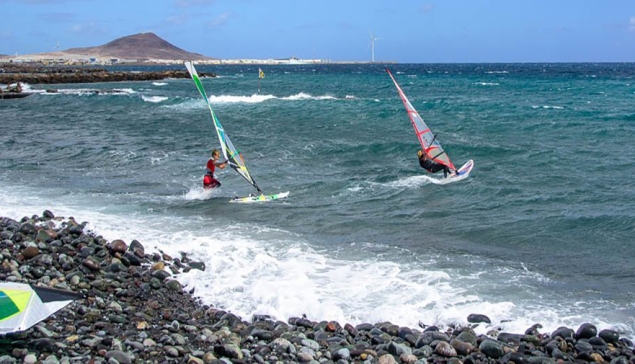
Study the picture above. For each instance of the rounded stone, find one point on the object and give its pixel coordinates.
(30, 359)
(118, 246)
(563, 332)
(586, 331)
(445, 349)
(91, 264)
(174, 285)
(30, 252)
(119, 356)
(477, 318)
(610, 336)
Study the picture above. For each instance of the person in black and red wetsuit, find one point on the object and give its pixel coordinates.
(429, 165)
(208, 180)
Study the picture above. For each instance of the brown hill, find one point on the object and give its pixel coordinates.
(139, 46)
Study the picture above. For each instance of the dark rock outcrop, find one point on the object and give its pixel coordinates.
(32, 74)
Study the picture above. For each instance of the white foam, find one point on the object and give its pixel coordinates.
(252, 99)
(223, 99)
(199, 193)
(305, 96)
(23, 85)
(290, 278)
(159, 83)
(487, 83)
(124, 91)
(75, 91)
(410, 182)
(547, 107)
(418, 181)
(154, 99)
(158, 157)
(188, 104)
(89, 91)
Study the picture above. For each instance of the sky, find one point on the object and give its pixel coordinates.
(407, 31)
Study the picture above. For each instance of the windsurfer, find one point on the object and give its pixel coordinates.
(208, 180)
(429, 165)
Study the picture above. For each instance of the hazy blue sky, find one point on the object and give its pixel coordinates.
(409, 31)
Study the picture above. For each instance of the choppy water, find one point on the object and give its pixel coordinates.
(542, 231)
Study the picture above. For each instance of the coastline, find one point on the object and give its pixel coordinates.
(135, 310)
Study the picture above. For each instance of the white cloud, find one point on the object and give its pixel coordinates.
(631, 25)
(58, 17)
(6, 34)
(41, 2)
(88, 29)
(176, 19)
(426, 8)
(218, 21)
(187, 3)
(38, 2)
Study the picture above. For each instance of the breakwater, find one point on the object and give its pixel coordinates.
(59, 75)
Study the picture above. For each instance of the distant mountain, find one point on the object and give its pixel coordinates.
(139, 46)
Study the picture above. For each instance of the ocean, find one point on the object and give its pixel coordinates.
(541, 232)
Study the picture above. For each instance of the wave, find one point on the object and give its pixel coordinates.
(418, 181)
(253, 99)
(410, 182)
(256, 269)
(487, 83)
(23, 85)
(159, 83)
(154, 99)
(239, 99)
(88, 91)
(303, 96)
(199, 193)
(547, 107)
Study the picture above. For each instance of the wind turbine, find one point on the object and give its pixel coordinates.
(372, 46)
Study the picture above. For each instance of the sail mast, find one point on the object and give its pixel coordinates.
(233, 155)
(260, 75)
(427, 139)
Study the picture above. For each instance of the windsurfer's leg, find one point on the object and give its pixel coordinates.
(437, 168)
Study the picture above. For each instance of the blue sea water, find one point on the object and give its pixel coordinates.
(541, 232)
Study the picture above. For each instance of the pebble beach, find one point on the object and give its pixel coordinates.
(135, 310)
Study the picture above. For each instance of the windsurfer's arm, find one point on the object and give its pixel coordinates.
(222, 165)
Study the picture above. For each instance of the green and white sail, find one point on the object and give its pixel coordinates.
(24, 305)
(233, 155)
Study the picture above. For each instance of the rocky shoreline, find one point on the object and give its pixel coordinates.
(135, 311)
(60, 75)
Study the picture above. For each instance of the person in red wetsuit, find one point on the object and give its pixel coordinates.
(208, 180)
